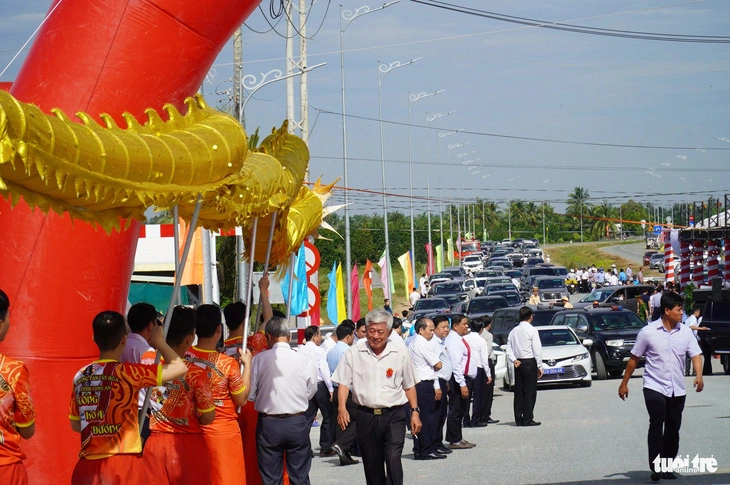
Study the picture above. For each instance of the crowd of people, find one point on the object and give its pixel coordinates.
(588, 278)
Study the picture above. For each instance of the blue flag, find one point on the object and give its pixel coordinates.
(332, 296)
(300, 296)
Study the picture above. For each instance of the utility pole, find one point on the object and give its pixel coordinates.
(241, 264)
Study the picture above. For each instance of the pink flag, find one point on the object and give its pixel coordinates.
(355, 285)
(429, 259)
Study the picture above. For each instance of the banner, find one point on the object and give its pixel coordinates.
(193, 270)
(367, 283)
(439, 258)
(405, 263)
(332, 295)
(341, 305)
(450, 254)
(386, 276)
(355, 287)
(429, 259)
(300, 293)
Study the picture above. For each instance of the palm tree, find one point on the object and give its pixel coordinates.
(577, 204)
(602, 225)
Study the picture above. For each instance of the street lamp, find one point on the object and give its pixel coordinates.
(349, 16)
(383, 70)
(414, 98)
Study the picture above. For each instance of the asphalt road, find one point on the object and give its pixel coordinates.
(632, 252)
(588, 436)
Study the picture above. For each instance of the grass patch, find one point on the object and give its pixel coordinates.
(584, 255)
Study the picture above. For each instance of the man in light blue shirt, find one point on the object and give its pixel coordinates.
(664, 343)
(343, 439)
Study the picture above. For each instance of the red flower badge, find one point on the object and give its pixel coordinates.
(389, 373)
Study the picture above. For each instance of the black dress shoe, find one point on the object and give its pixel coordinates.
(492, 421)
(429, 456)
(326, 453)
(532, 422)
(669, 476)
(656, 476)
(442, 450)
(347, 460)
(479, 425)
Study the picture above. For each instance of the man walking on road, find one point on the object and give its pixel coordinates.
(664, 343)
(524, 350)
(460, 357)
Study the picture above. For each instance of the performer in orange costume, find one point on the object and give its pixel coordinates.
(104, 405)
(17, 416)
(230, 390)
(176, 453)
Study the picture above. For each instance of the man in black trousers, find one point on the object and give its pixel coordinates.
(524, 350)
(460, 355)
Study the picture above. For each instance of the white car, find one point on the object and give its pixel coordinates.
(472, 263)
(500, 367)
(564, 359)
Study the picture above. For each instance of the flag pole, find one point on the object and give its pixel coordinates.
(266, 263)
(249, 283)
(291, 284)
(179, 266)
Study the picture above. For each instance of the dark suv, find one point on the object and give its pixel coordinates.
(613, 332)
(505, 319)
(715, 316)
(610, 296)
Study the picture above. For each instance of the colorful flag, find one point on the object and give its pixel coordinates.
(450, 254)
(341, 305)
(405, 263)
(355, 286)
(439, 258)
(193, 270)
(300, 295)
(429, 259)
(386, 277)
(332, 295)
(367, 283)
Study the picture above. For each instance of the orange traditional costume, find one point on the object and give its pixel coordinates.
(16, 411)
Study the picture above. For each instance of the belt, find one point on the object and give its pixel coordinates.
(280, 416)
(379, 411)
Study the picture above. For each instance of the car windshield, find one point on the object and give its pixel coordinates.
(451, 299)
(487, 305)
(560, 271)
(551, 283)
(542, 319)
(657, 256)
(511, 297)
(473, 259)
(492, 288)
(550, 337)
(513, 273)
(616, 320)
(430, 304)
(470, 247)
(541, 272)
(598, 295)
(447, 288)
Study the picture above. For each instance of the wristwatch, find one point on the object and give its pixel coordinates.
(416, 410)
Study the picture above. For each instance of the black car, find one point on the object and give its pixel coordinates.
(483, 305)
(431, 304)
(609, 296)
(613, 332)
(715, 316)
(513, 297)
(505, 319)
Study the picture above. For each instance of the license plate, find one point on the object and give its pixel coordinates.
(555, 370)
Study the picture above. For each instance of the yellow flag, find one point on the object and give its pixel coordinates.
(340, 295)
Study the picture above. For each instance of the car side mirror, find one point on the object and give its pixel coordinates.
(503, 348)
(587, 342)
(582, 328)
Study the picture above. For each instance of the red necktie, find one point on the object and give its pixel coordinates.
(468, 356)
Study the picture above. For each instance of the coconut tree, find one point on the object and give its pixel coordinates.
(577, 205)
(602, 224)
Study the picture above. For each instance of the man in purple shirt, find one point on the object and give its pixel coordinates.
(664, 343)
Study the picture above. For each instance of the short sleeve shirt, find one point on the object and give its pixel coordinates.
(16, 408)
(104, 400)
(175, 404)
(231, 346)
(224, 374)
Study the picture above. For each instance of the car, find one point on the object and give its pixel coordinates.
(483, 305)
(716, 317)
(452, 300)
(431, 304)
(565, 359)
(532, 261)
(491, 272)
(612, 333)
(647, 257)
(505, 319)
(675, 263)
(540, 270)
(655, 259)
(456, 272)
(491, 288)
(450, 287)
(472, 263)
(551, 289)
(513, 297)
(609, 296)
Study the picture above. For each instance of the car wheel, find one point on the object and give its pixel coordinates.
(615, 373)
(726, 364)
(586, 383)
(505, 384)
(600, 366)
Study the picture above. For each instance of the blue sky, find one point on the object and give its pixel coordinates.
(500, 79)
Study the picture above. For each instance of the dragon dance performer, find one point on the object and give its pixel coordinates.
(230, 390)
(104, 404)
(17, 415)
(176, 453)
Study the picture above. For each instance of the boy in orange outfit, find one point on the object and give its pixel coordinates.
(230, 390)
(17, 416)
(104, 404)
(176, 453)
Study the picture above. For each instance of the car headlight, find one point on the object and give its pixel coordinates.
(614, 343)
(580, 357)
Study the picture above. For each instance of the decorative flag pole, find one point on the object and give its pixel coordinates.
(266, 263)
(668, 258)
(180, 265)
(684, 276)
(697, 260)
(249, 286)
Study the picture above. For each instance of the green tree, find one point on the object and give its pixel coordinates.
(577, 205)
(601, 226)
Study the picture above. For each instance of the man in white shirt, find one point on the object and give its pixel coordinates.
(478, 375)
(489, 338)
(441, 330)
(282, 383)
(322, 400)
(524, 350)
(141, 318)
(423, 285)
(460, 355)
(426, 362)
(655, 303)
(414, 296)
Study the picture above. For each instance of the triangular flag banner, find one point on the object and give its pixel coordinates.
(300, 296)
(450, 253)
(367, 283)
(193, 270)
(332, 295)
(385, 276)
(341, 305)
(355, 287)
(405, 263)
(439, 258)
(429, 259)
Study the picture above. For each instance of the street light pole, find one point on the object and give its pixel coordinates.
(442, 135)
(414, 98)
(383, 70)
(349, 16)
